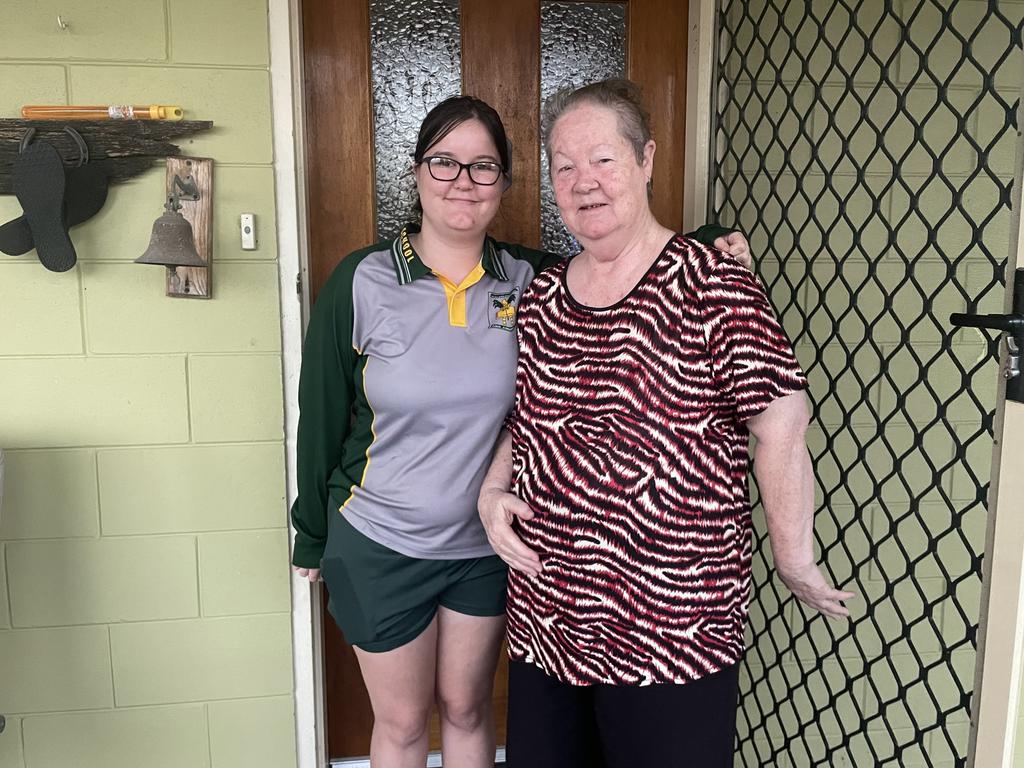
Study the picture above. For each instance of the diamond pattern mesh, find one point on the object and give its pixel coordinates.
(867, 148)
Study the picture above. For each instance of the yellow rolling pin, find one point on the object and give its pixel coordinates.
(113, 112)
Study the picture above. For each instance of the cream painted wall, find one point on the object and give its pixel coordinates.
(144, 589)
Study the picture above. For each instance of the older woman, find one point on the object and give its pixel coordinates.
(645, 363)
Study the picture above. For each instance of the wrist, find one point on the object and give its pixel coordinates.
(794, 565)
(490, 490)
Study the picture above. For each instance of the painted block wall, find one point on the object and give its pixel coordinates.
(1018, 747)
(144, 601)
(877, 528)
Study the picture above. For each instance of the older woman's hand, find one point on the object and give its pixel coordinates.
(497, 510)
(809, 586)
(313, 574)
(736, 245)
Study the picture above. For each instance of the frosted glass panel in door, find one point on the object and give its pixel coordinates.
(415, 62)
(579, 43)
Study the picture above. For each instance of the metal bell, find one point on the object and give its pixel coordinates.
(172, 244)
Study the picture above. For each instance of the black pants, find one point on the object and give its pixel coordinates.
(555, 725)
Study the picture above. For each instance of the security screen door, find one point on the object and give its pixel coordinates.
(868, 148)
(372, 70)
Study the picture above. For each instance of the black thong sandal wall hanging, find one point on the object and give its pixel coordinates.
(56, 196)
(54, 199)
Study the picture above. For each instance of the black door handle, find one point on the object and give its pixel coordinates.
(1011, 324)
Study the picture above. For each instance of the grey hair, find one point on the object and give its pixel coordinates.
(617, 94)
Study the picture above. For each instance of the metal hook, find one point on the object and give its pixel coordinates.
(26, 139)
(61, 24)
(83, 148)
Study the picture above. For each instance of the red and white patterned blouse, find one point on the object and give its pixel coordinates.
(629, 444)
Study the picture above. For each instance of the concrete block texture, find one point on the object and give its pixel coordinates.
(157, 737)
(236, 398)
(244, 572)
(234, 321)
(197, 32)
(5, 608)
(255, 733)
(192, 488)
(96, 31)
(197, 660)
(92, 581)
(50, 494)
(11, 754)
(39, 310)
(56, 669)
(29, 84)
(236, 100)
(54, 402)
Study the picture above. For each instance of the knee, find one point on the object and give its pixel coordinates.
(464, 713)
(402, 726)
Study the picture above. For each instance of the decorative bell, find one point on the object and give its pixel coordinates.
(171, 244)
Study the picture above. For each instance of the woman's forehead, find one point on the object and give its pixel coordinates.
(590, 123)
(471, 135)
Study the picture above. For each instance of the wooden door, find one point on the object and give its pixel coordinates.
(500, 63)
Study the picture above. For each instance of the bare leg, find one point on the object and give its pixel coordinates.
(467, 654)
(401, 687)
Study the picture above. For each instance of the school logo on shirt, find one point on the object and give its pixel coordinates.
(503, 309)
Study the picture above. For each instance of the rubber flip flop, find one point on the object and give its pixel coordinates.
(16, 237)
(85, 194)
(39, 184)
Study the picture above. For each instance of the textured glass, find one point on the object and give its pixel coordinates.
(415, 58)
(579, 43)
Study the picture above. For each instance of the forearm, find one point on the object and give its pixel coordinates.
(499, 474)
(786, 481)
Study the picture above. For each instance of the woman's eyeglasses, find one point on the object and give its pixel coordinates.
(444, 168)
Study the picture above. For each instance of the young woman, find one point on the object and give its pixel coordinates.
(408, 371)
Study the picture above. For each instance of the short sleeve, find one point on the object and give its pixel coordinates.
(751, 357)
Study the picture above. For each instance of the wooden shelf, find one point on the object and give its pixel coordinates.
(124, 148)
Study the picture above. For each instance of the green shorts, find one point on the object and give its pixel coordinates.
(382, 599)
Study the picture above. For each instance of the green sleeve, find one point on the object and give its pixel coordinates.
(326, 394)
(708, 233)
(539, 260)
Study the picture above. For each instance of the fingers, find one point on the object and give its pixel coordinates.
(313, 574)
(736, 245)
(497, 513)
(511, 549)
(826, 600)
(518, 507)
(809, 586)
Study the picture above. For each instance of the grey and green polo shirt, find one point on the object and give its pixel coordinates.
(406, 379)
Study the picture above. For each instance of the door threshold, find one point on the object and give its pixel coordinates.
(433, 760)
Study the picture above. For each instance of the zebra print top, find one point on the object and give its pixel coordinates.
(630, 446)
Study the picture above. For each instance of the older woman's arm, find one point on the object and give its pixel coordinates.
(498, 508)
(785, 477)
